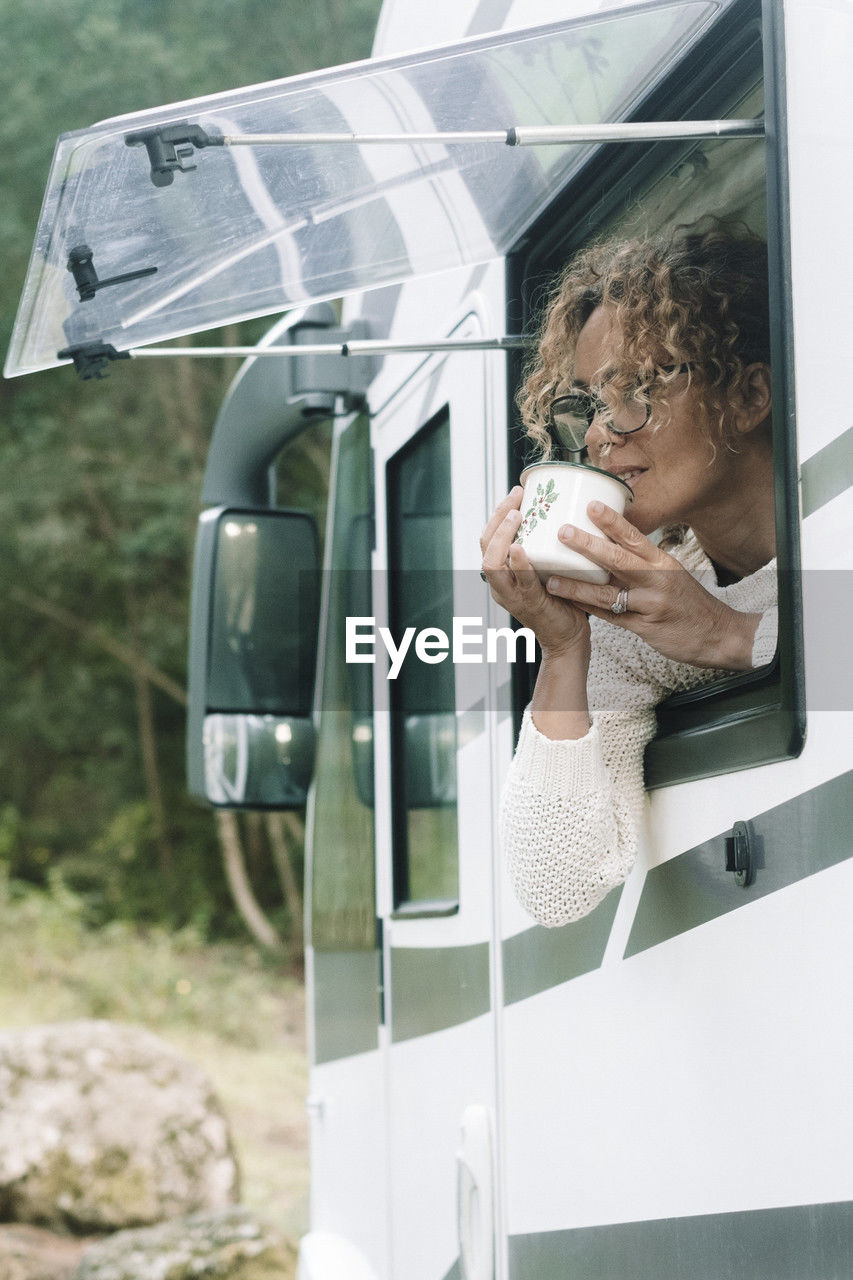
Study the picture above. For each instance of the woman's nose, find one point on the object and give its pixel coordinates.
(596, 435)
(598, 439)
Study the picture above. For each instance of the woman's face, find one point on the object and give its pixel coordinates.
(674, 473)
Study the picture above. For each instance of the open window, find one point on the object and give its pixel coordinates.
(755, 717)
(197, 214)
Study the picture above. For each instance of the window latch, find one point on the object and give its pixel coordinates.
(82, 267)
(740, 857)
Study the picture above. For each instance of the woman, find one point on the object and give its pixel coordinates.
(661, 348)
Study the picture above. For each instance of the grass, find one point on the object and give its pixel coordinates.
(237, 1015)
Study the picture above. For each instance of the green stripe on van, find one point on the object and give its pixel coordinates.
(795, 839)
(796, 1242)
(346, 1003)
(433, 988)
(539, 958)
(791, 1243)
(827, 473)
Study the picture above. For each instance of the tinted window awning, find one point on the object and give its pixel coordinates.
(248, 230)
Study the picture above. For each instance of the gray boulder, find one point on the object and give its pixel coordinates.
(229, 1245)
(104, 1126)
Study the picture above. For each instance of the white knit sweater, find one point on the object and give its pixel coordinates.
(571, 809)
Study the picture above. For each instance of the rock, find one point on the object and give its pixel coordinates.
(229, 1245)
(30, 1253)
(104, 1126)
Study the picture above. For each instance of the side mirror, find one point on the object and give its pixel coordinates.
(253, 632)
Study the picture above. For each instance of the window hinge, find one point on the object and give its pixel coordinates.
(91, 359)
(168, 146)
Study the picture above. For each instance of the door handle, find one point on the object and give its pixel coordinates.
(475, 1196)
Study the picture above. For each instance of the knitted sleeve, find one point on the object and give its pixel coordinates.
(764, 644)
(571, 810)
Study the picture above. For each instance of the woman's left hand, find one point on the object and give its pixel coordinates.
(666, 606)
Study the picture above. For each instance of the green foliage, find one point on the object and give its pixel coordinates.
(102, 480)
(166, 980)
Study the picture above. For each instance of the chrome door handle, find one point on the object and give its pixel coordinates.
(475, 1196)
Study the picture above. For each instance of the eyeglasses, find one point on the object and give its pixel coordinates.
(571, 415)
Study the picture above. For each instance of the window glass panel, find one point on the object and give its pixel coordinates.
(343, 900)
(711, 176)
(423, 697)
(253, 230)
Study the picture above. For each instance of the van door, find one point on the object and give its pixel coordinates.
(434, 828)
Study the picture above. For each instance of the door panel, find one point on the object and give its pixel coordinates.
(431, 461)
(347, 1082)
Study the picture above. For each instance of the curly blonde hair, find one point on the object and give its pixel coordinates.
(694, 295)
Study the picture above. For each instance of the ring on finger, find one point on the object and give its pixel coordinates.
(620, 604)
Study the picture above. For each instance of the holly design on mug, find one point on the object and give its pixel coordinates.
(538, 510)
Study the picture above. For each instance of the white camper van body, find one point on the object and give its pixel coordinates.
(645, 1093)
(660, 1091)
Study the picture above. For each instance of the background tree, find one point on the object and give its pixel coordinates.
(101, 492)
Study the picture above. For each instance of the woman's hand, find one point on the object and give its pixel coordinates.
(559, 627)
(665, 605)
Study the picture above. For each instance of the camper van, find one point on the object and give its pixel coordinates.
(661, 1090)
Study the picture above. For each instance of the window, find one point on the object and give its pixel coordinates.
(343, 227)
(757, 717)
(423, 696)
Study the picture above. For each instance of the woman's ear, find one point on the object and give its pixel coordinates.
(753, 402)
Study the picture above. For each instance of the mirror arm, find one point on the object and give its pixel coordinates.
(269, 402)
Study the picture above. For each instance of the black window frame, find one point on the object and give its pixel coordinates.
(758, 717)
(403, 906)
